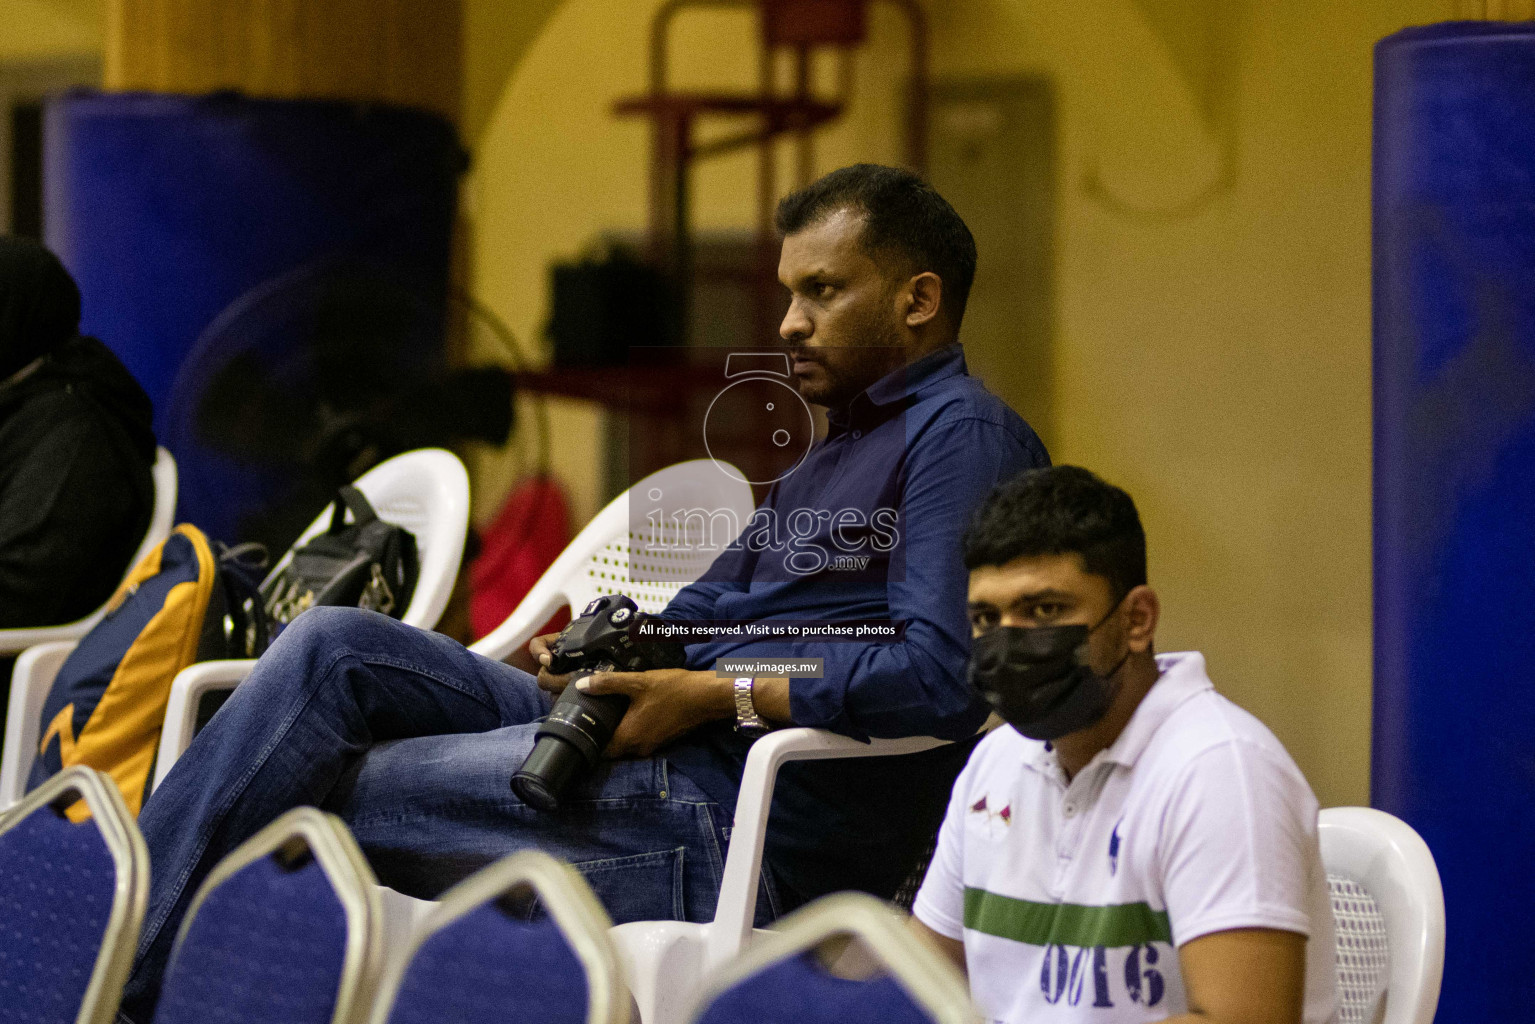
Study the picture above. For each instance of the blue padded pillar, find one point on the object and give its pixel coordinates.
(167, 209)
(1454, 296)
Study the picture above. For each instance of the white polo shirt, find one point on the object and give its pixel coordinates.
(1072, 898)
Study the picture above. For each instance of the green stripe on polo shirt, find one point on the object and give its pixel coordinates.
(1066, 924)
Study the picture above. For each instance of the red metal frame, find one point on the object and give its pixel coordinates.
(798, 27)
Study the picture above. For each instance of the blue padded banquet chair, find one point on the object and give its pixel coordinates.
(287, 929)
(73, 887)
(476, 958)
(780, 979)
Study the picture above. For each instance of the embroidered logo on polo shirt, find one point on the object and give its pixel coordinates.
(1114, 847)
(1005, 815)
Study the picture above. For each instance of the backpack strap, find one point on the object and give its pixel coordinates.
(350, 498)
(243, 631)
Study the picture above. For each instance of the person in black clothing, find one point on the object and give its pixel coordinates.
(76, 449)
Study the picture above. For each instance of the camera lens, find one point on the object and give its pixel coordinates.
(546, 773)
(580, 726)
(571, 738)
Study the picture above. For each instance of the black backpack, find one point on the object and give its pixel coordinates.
(367, 563)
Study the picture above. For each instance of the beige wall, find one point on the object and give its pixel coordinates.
(45, 29)
(396, 51)
(1218, 364)
(1215, 362)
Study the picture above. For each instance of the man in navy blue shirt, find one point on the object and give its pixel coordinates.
(413, 740)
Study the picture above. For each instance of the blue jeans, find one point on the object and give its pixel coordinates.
(413, 740)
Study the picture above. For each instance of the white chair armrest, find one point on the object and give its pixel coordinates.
(537, 608)
(743, 863)
(14, 640)
(160, 520)
(187, 691)
(31, 680)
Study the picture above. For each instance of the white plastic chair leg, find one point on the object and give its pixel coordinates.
(669, 960)
(732, 926)
(31, 679)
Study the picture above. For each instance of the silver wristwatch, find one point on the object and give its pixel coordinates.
(747, 720)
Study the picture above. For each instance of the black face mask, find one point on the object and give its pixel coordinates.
(1037, 679)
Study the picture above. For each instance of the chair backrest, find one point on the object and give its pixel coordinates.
(475, 957)
(780, 977)
(686, 514)
(161, 519)
(287, 929)
(427, 493)
(1388, 914)
(72, 899)
(164, 515)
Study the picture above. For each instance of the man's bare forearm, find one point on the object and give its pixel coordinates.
(771, 696)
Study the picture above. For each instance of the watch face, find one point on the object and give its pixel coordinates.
(761, 424)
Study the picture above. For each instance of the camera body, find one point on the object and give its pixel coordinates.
(604, 639)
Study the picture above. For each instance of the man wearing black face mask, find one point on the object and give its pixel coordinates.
(76, 449)
(1135, 847)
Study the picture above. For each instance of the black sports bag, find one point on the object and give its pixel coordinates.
(366, 563)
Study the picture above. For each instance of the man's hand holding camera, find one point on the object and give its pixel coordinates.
(664, 703)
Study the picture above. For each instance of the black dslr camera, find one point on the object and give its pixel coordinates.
(604, 639)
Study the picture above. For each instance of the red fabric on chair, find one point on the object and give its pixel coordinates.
(525, 538)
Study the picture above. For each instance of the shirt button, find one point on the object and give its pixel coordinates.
(857, 434)
(1071, 810)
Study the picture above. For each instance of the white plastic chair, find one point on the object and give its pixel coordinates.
(596, 562)
(1388, 913)
(424, 491)
(668, 961)
(675, 548)
(160, 520)
(43, 650)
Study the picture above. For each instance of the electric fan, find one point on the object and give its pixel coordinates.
(306, 381)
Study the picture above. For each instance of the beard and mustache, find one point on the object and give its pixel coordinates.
(847, 370)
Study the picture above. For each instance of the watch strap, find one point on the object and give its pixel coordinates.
(747, 719)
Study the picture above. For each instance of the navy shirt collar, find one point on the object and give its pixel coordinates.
(888, 394)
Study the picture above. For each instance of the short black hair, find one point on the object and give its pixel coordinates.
(903, 216)
(1058, 511)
